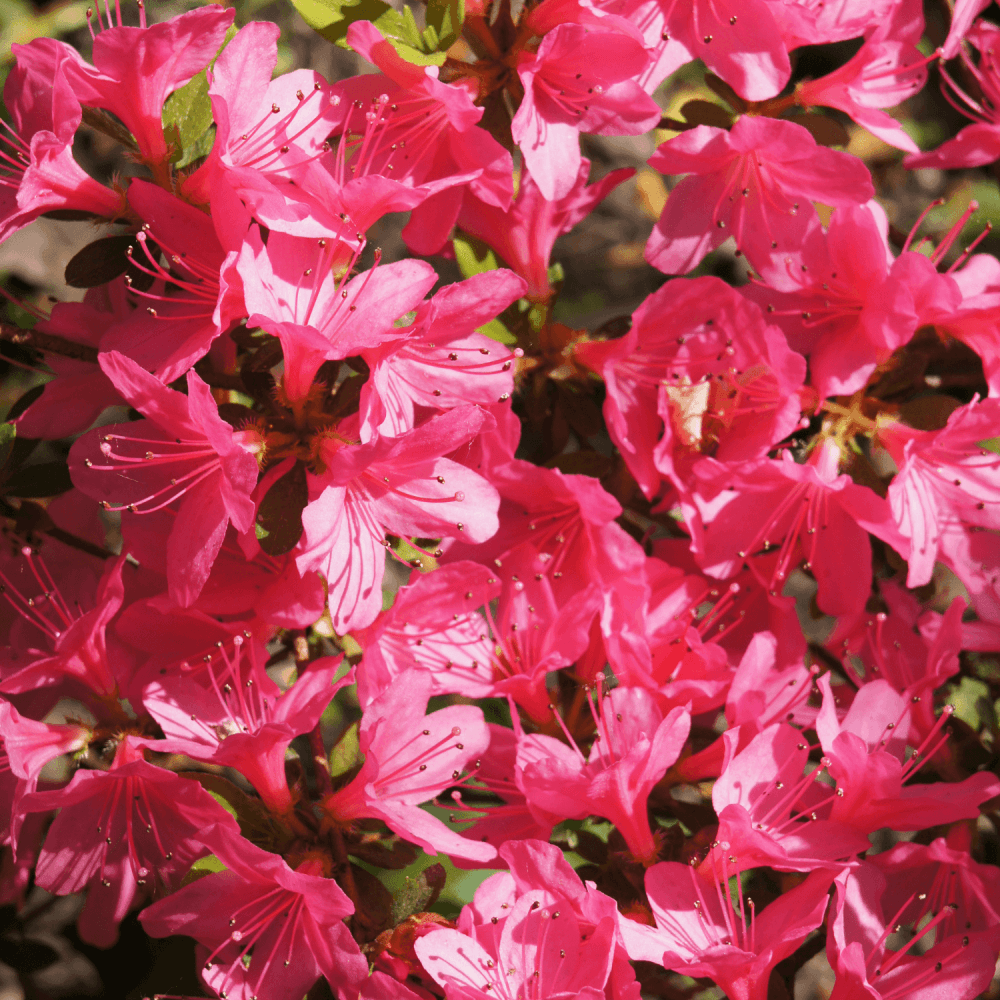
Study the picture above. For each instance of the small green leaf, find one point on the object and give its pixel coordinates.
(187, 117)
(418, 892)
(209, 863)
(473, 256)
(8, 432)
(972, 703)
(444, 23)
(991, 444)
(344, 755)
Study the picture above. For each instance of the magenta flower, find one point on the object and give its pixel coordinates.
(579, 80)
(440, 362)
(767, 801)
(524, 234)
(948, 485)
(37, 171)
(410, 759)
(403, 486)
(865, 756)
(183, 452)
(136, 69)
(125, 834)
(809, 513)
(634, 747)
(195, 298)
(267, 132)
(265, 929)
(700, 931)
(979, 143)
(233, 715)
(755, 183)
(699, 371)
(883, 73)
(945, 905)
(541, 950)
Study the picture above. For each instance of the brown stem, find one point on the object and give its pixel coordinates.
(78, 543)
(48, 342)
(324, 785)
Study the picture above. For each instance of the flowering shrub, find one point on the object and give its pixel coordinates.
(646, 664)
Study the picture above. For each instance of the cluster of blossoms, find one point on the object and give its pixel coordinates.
(609, 669)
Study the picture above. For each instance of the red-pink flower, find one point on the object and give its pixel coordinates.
(701, 931)
(403, 486)
(234, 716)
(125, 834)
(755, 183)
(136, 69)
(524, 234)
(263, 928)
(948, 485)
(183, 453)
(410, 759)
(37, 171)
(634, 747)
(944, 904)
(579, 80)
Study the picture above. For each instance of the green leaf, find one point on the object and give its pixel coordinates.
(187, 118)
(972, 704)
(332, 18)
(473, 256)
(991, 444)
(345, 754)
(418, 892)
(209, 863)
(444, 23)
(8, 432)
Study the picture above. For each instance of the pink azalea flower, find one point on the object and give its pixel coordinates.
(403, 486)
(76, 642)
(963, 14)
(699, 371)
(440, 362)
(916, 651)
(424, 141)
(524, 235)
(292, 292)
(579, 80)
(80, 391)
(944, 903)
(136, 69)
(541, 948)
(266, 132)
(808, 512)
(700, 931)
(436, 625)
(865, 756)
(235, 717)
(264, 929)
(198, 461)
(947, 486)
(758, 696)
(634, 747)
(197, 296)
(755, 183)
(410, 759)
(883, 73)
(847, 303)
(561, 527)
(767, 800)
(738, 41)
(37, 171)
(805, 23)
(979, 143)
(125, 834)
